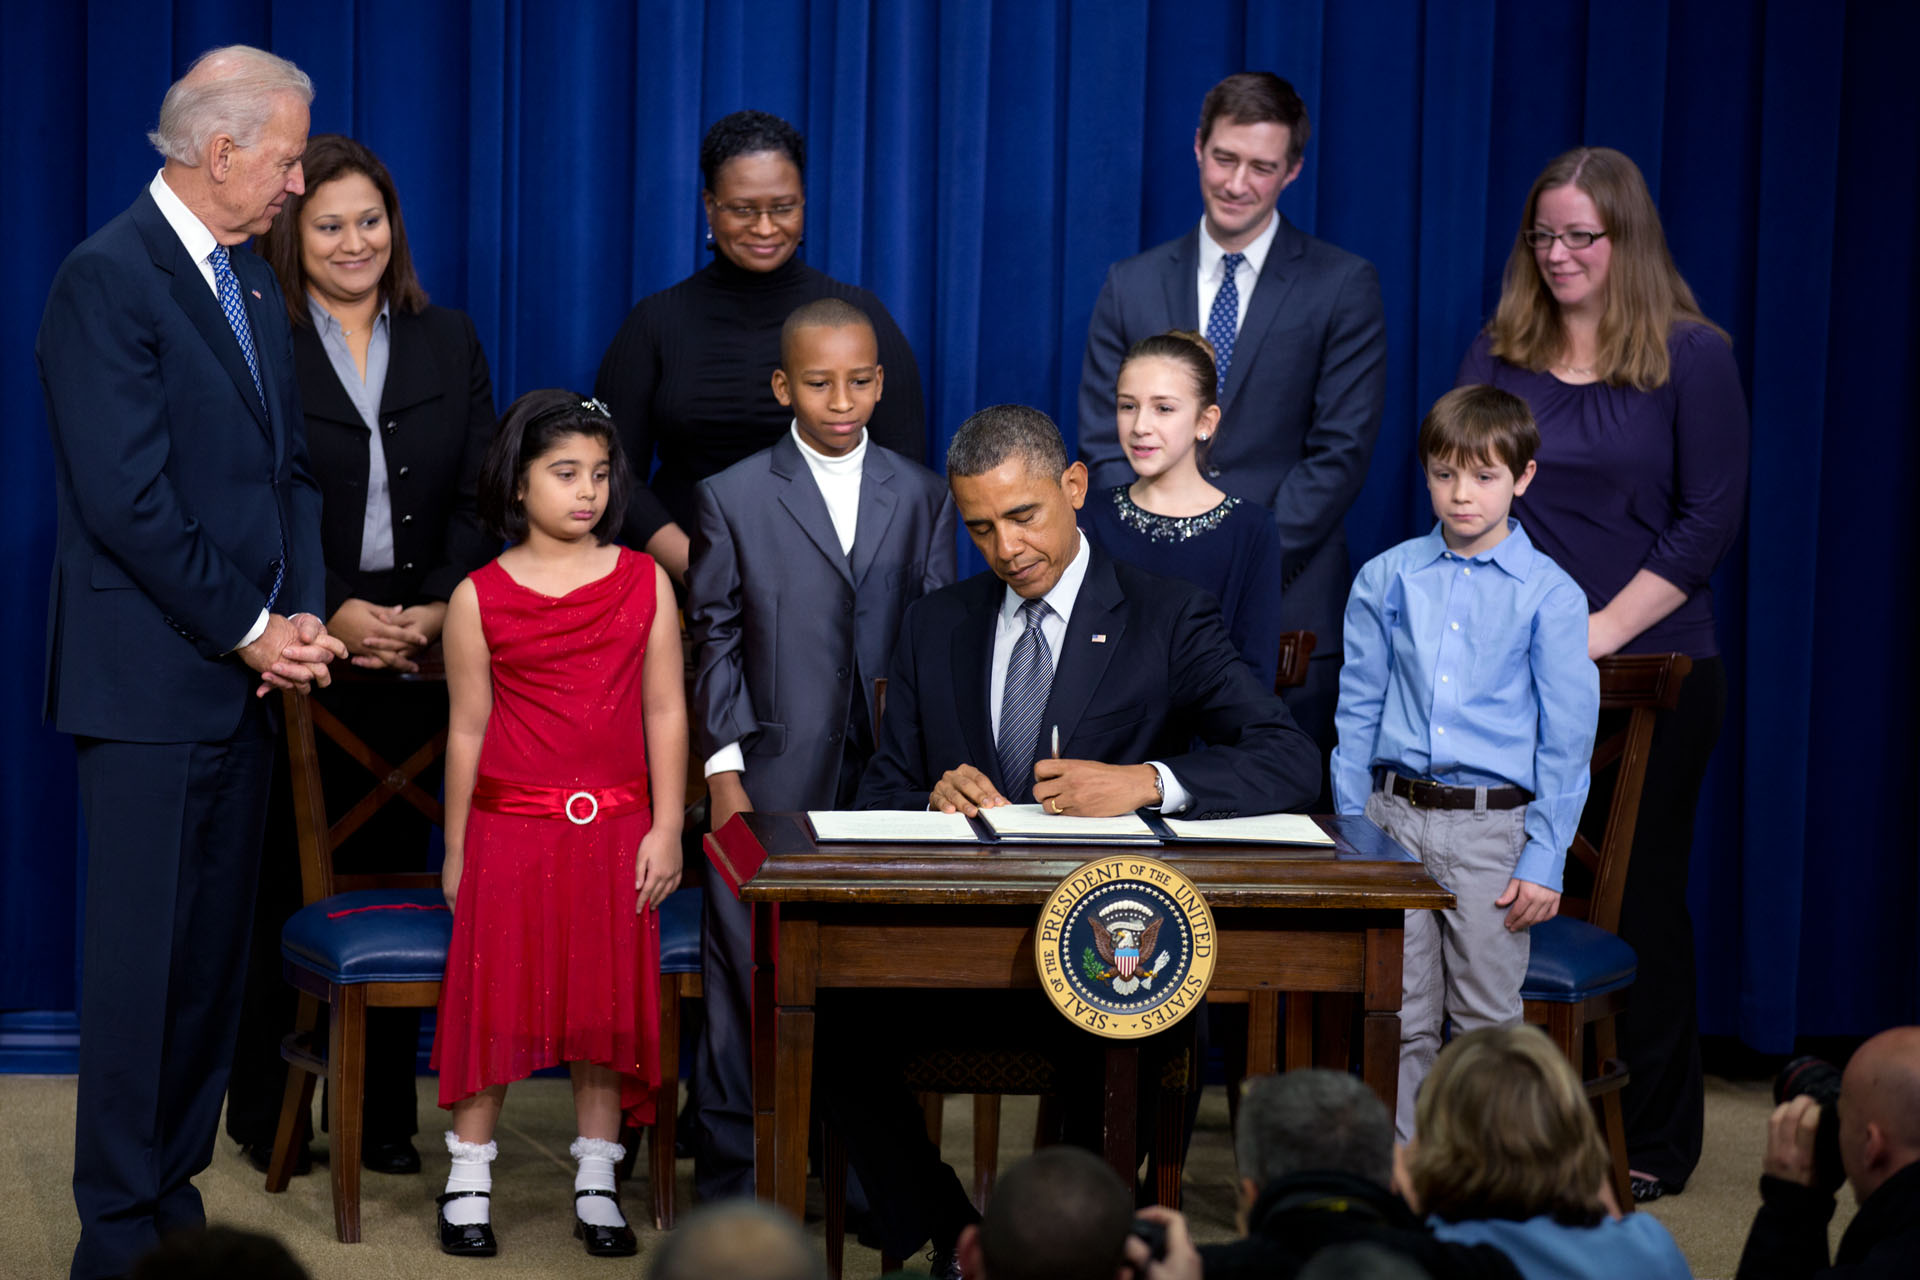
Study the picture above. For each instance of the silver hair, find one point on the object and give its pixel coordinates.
(235, 101)
(1312, 1119)
(999, 432)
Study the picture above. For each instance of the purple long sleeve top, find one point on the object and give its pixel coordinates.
(1633, 480)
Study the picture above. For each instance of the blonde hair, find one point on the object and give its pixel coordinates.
(1646, 295)
(1504, 1130)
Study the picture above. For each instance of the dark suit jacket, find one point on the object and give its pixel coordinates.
(780, 617)
(1165, 674)
(1300, 410)
(436, 417)
(172, 487)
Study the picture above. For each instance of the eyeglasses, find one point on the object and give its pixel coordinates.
(1572, 239)
(747, 215)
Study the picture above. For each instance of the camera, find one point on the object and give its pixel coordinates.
(1819, 1080)
(1155, 1237)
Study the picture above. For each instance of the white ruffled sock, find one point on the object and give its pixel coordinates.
(596, 1158)
(472, 1171)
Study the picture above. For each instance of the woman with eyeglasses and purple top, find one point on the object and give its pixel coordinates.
(688, 377)
(1640, 491)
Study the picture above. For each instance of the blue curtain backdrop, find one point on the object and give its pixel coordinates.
(980, 164)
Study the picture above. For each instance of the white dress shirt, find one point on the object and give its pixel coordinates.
(1212, 269)
(1009, 625)
(839, 481)
(199, 244)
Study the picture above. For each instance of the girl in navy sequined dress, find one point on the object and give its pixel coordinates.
(566, 763)
(1170, 520)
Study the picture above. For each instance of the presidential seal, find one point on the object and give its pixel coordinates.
(1125, 946)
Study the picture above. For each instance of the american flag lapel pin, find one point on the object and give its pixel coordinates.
(255, 293)
(1099, 637)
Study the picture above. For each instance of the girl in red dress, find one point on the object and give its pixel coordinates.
(566, 768)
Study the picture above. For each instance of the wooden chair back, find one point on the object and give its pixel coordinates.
(1296, 649)
(307, 721)
(1639, 685)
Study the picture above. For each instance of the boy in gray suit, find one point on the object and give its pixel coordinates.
(804, 558)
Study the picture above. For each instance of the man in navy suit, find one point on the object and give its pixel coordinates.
(186, 583)
(1129, 667)
(1301, 346)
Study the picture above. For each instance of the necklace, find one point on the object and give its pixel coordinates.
(1575, 369)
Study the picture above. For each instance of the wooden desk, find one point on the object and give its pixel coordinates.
(945, 916)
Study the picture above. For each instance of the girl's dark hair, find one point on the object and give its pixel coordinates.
(329, 156)
(532, 425)
(746, 133)
(1183, 347)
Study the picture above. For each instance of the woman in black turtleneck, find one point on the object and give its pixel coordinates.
(688, 375)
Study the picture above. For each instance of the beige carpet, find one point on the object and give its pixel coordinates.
(533, 1190)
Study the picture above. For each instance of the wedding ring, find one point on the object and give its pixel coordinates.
(1056, 806)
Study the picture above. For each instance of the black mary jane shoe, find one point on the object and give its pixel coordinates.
(604, 1242)
(473, 1240)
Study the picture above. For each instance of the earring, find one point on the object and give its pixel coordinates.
(1204, 437)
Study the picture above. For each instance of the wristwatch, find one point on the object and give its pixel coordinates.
(1159, 789)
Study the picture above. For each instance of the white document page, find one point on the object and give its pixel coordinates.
(1266, 828)
(891, 826)
(1031, 822)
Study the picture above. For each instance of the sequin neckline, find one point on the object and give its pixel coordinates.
(619, 564)
(1159, 528)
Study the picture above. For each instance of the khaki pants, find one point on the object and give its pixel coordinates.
(1460, 965)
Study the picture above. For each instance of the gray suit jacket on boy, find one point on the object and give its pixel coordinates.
(782, 621)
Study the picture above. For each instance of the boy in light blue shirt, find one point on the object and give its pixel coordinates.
(1466, 721)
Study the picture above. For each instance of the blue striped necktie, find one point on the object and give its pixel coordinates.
(1029, 681)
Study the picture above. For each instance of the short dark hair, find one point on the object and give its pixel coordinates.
(996, 433)
(531, 426)
(1060, 1214)
(1258, 97)
(1312, 1119)
(1479, 424)
(329, 156)
(822, 313)
(214, 1253)
(746, 133)
(1189, 349)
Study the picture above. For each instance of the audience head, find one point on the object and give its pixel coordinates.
(736, 1240)
(1503, 1130)
(1253, 131)
(753, 167)
(549, 443)
(1310, 1120)
(1476, 450)
(1017, 495)
(1060, 1214)
(1167, 403)
(829, 374)
(218, 1253)
(1880, 1109)
(1623, 277)
(343, 238)
(232, 130)
(1360, 1260)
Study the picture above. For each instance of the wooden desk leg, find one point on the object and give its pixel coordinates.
(763, 1051)
(1123, 1111)
(1299, 1051)
(1380, 1029)
(1263, 1031)
(793, 1085)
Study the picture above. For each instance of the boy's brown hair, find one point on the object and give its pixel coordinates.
(1476, 424)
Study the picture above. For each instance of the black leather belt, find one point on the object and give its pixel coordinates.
(1437, 795)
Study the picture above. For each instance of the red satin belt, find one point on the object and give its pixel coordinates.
(579, 806)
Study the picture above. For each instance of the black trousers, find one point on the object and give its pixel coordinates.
(173, 844)
(1664, 1104)
(394, 718)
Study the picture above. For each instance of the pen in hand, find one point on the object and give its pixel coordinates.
(1056, 742)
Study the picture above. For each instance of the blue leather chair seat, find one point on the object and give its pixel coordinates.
(680, 932)
(1572, 960)
(372, 935)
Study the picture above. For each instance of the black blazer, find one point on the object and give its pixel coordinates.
(1165, 674)
(175, 490)
(1299, 412)
(436, 417)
